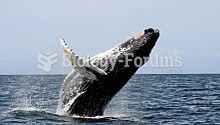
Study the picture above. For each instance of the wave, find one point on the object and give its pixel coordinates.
(32, 115)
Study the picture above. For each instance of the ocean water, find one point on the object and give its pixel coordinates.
(145, 99)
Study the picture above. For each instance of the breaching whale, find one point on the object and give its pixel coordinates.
(94, 81)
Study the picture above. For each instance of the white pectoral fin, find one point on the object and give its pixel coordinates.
(82, 69)
(68, 52)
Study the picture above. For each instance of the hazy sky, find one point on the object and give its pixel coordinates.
(189, 29)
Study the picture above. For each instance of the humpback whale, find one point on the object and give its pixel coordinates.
(94, 81)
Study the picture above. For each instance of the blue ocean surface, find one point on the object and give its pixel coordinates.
(145, 99)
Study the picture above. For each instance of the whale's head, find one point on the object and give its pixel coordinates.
(141, 44)
(132, 54)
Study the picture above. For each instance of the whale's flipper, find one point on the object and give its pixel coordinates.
(82, 66)
(69, 52)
